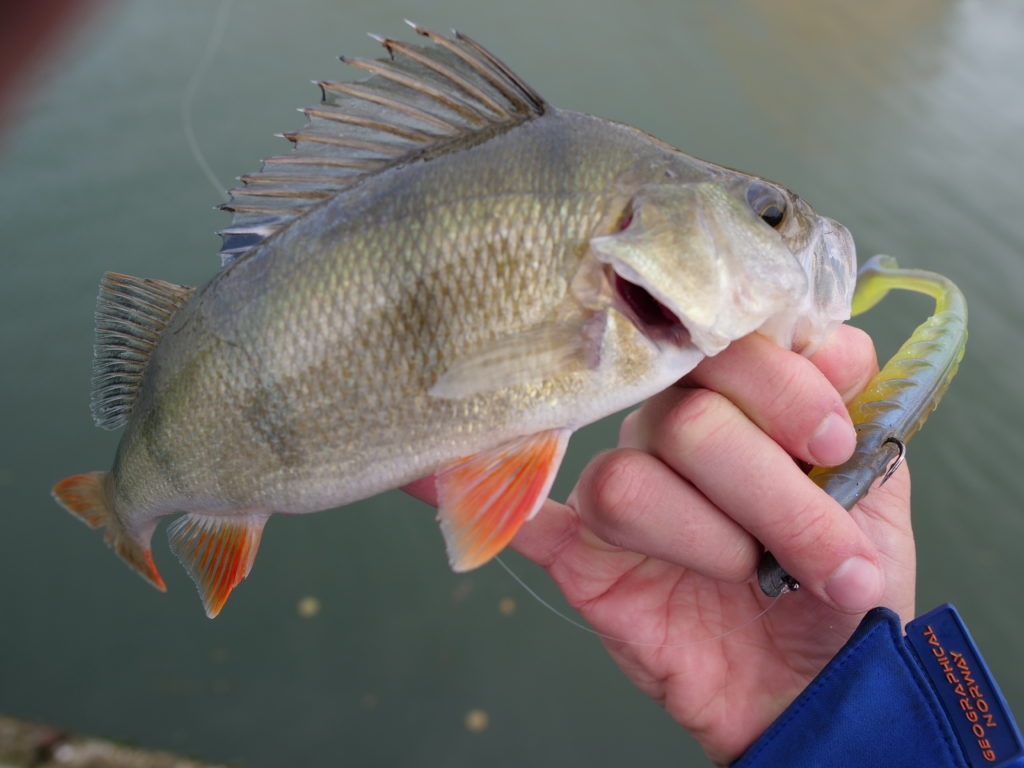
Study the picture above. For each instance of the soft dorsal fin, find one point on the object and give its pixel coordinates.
(420, 102)
(131, 313)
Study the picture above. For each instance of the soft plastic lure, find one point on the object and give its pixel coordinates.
(898, 400)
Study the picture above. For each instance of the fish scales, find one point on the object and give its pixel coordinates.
(456, 313)
(296, 334)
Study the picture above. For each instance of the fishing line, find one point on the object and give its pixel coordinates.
(212, 44)
(613, 639)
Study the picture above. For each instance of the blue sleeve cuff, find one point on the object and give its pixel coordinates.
(926, 699)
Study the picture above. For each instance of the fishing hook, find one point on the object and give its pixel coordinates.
(902, 448)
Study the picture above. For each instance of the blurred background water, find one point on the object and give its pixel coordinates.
(352, 641)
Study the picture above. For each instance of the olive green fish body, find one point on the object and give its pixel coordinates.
(446, 278)
(299, 377)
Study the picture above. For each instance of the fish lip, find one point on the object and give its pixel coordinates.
(834, 238)
(830, 262)
(835, 255)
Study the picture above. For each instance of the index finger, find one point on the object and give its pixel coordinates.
(785, 395)
(707, 440)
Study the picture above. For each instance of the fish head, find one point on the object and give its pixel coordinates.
(701, 258)
(825, 252)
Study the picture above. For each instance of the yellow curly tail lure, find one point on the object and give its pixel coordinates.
(898, 400)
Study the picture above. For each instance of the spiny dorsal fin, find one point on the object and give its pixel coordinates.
(131, 313)
(421, 102)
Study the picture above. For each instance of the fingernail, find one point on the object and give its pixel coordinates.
(833, 441)
(855, 586)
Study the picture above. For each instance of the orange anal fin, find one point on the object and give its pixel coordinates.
(483, 499)
(87, 497)
(217, 552)
(138, 557)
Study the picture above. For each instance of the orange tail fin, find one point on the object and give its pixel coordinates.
(87, 497)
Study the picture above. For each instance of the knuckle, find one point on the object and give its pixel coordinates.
(810, 530)
(700, 425)
(735, 563)
(788, 398)
(616, 490)
(694, 412)
(738, 564)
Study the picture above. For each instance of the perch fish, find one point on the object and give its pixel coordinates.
(446, 276)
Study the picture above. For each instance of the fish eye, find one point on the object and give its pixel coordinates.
(769, 203)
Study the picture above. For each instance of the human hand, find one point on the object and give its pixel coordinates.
(658, 544)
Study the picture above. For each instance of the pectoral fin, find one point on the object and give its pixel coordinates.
(485, 498)
(217, 552)
(545, 351)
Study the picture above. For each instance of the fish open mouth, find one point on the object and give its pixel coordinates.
(652, 318)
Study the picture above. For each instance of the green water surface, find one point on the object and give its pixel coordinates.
(903, 120)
